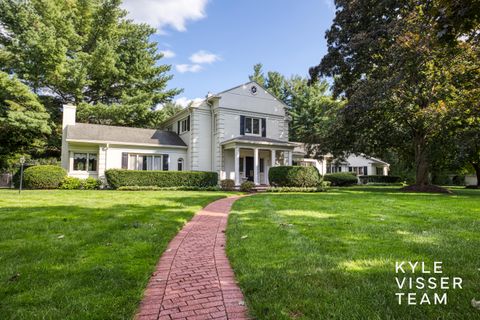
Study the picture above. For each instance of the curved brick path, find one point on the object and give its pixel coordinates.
(193, 279)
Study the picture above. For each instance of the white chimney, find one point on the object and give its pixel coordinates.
(69, 115)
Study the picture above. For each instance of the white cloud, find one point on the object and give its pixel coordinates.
(165, 13)
(167, 53)
(182, 68)
(184, 102)
(203, 56)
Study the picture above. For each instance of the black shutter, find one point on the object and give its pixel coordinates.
(188, 123)
(264, 127)
(165, 162)
(365, 171)
(124, 160)
(242, 125)
(178, 127)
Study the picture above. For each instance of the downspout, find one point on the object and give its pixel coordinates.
(107, 146)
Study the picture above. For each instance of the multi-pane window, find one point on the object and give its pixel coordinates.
(252, 126)
(333, 168)
(360, 171)
(85, 161)
(145, 162)
(184, 125)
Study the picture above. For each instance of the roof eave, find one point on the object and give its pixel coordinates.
(127, 143)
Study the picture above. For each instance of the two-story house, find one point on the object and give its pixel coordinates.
(239, 133)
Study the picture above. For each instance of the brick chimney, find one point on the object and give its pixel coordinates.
(69, 118)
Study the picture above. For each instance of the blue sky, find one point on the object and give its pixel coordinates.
(213, 45)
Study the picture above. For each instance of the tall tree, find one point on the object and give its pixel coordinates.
(387, 62)
(24, 123)
(83, 51)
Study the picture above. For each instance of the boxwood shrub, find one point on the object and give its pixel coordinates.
(380, 179)
(341, 179)
(43, 177)
(119, 178)
(294, 176)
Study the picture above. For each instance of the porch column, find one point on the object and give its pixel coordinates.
(273, 158)
(255, 166)
(290, 157)
(237, 166)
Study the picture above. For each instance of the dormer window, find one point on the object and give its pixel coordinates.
(252, 126)
(184, 125)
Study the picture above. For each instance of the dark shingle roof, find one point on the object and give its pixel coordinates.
(259, 139)
(96, 132)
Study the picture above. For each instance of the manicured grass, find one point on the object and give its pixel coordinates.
(85, 254)
(332, 255)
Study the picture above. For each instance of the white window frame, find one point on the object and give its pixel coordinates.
(154, 155)
(251, 127)
(88, 153)
(183, 125)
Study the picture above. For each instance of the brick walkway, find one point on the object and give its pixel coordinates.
(193, 279)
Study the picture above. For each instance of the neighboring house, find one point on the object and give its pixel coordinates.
(361, 165)
(239, 133)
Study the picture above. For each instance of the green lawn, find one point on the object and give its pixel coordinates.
(85, 254)
(332, 255)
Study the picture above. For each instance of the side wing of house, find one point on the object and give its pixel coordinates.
(88, 150)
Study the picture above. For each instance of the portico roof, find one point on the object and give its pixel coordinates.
(256, 140)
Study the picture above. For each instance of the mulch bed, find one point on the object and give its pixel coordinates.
(426, 188)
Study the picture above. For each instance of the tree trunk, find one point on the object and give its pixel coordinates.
(421, 161)
(476, 166)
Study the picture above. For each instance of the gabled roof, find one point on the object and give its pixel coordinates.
(85, 132)
(246, 84)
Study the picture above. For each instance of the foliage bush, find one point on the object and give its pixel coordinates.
(341, 179)
(380, 179)
(247, 186)
(227, 185)
(71, 183)
(91, 183)
(294, 176)
(119, 178)
(155, 188)
(43, 177)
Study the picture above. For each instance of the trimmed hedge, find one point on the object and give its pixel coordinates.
(294, 176)
(380, 179)
(119, 178)
(155, 188)
(296, 189)
(341, 179)
(43, 177)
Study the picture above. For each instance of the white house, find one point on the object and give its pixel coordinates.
(239, 133)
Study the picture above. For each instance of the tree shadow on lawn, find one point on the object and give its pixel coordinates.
(342, 265)
(81, 262)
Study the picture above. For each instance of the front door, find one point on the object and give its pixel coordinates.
(249, 168)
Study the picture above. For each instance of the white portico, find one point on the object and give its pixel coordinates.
(250, 158)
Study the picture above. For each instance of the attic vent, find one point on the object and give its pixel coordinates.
(253, 89)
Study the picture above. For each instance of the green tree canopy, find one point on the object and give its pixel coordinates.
(24, 123)
(84, 52)
(387, 61)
